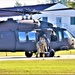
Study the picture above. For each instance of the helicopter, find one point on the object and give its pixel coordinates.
(22, 35)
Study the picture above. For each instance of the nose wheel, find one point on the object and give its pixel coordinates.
(52, 53)
(28, 54)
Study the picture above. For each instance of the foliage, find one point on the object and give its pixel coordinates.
(65, 52)
(62, 52)
(38, 67)
(17, 4)
(43, 1)
(12, 53)
(71, 4)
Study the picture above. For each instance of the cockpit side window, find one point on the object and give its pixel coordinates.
(60, 35)
(53, 36)
(32, 36)
(22, 36)
(67, 35)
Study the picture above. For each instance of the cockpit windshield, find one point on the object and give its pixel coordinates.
(67, 35)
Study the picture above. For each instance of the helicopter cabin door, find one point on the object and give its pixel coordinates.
(7, 41)
(26, 41)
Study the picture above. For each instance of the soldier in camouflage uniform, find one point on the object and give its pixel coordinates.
(42, 45)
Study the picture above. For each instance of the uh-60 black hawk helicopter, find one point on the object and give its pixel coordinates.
(22, 35)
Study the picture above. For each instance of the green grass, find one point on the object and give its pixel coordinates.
(65, 52)
(12, 53)
(62, 52)
(37, 67)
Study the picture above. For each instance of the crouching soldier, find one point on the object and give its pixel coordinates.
(41, 46)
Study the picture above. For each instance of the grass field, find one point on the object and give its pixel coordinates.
(65, 52)
(38, 67)
(12, 53)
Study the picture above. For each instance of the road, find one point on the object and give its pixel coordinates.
(5, 58)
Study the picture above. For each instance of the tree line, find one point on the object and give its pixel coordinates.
(69, 3)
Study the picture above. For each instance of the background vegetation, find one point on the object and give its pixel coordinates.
(68, 3)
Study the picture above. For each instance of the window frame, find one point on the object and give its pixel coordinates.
(67, 35)
(59, 21)
(45, 19)
(72, 20)
(30, 38)
(20, 37)
(60, 35)
(53, 36)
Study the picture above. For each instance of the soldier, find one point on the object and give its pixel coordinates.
(44, 42)
(42, 46)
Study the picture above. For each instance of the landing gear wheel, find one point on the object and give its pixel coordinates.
(28, 54)
(52, 53)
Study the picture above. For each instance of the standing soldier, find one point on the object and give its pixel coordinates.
(42, 46)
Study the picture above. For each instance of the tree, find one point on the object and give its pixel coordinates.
(71, 4)
(18, 4)
(43, 1)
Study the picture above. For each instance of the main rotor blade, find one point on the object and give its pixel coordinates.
(24, 11)
(6, 12)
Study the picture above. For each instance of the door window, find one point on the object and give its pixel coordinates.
(31, 36)
(53, 36)
(22, 36)
(59, 21)
(45, 19)
(72, 20)
(67, 35)
(60, 35)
